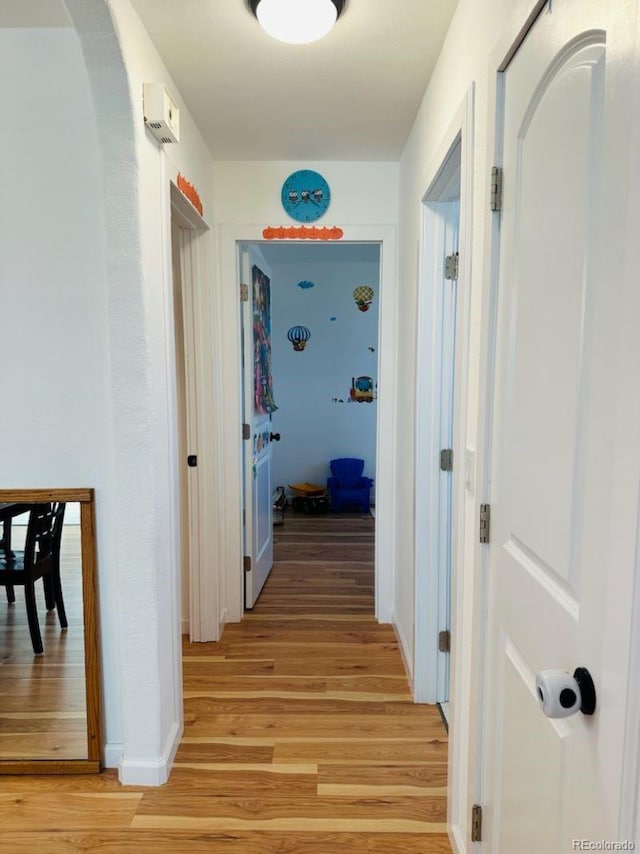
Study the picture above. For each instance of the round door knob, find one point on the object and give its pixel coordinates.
(561, 694)
(274, 437)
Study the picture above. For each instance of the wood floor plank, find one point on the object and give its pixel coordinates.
(284, 706)
(408, 843)
(373, 752)
(161, 823)
(262, 809)
(320, 725)
(181, 842)
(74, 811)
(416, 776)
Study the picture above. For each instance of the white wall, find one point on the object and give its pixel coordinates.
(57, 415)
(315, 428)
(361, 193)
(158, 165)
(86, 281)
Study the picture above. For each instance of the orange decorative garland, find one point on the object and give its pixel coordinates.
(302, 232)
(190, 192)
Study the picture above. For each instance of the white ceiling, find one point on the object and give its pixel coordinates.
(351, 96)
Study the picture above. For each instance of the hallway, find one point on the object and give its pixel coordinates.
(300, 734)
(309, 729)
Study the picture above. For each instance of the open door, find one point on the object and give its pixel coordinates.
(258, 406)
(187, 433)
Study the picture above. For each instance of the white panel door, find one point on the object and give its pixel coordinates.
(553, 434)
(258, 503)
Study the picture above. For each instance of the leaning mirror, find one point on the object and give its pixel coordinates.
(49, 665)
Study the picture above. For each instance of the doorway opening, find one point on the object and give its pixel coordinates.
(195, 453)
(310, 390)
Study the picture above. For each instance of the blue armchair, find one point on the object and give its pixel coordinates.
(347, 487)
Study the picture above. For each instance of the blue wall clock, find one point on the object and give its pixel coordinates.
(305, 195)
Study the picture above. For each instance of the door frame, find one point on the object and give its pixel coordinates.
(431, 583)
(619, 646)
(202, 419)
(463, 618)
(230, 237)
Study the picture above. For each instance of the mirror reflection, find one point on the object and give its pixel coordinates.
(43, 675)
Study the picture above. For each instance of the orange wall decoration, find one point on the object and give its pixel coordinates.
(190, 192)
(302, 232)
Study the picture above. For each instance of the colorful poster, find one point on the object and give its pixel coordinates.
(262, 378)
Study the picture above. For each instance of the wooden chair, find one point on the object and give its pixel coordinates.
(40, 559)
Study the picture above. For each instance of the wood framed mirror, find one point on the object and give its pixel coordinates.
(50, 701)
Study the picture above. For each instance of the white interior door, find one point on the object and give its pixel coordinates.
(258, 497)
(187, 432)
(553, 435)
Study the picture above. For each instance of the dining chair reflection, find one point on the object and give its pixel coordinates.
(40, 559)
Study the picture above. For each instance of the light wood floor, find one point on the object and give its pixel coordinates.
(300, 734)
(42, 698)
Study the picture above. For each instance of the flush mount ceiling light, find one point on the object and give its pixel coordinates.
(297, 21)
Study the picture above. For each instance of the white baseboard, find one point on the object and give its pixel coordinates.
(457, 839)
(151, 772)
(113, 755)
(404, 651)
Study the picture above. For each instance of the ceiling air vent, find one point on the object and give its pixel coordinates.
(161, 113)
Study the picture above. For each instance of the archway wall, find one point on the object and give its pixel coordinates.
(137, 172)
(87, 332)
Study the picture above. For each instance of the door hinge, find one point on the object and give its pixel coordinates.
(244, 293)
(446, 459)
(444, 641)
(247, 563)
(485, 522)
(451, 264)
(496, 188)
(476, 823)
(246, 431)
(192, 461)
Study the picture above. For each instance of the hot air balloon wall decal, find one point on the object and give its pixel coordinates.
(363, 295)
(299, 335)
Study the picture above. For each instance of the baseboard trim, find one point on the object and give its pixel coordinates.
(458, 842)
(151, 772)
(404, 652)
(113, 755)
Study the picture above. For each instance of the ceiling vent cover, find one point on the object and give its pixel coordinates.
(161, 113)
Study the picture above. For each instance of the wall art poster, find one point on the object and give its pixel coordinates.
(264, 402)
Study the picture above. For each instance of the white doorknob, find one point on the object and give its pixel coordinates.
(562, 695)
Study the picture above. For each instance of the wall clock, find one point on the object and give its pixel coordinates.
(305, 195)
